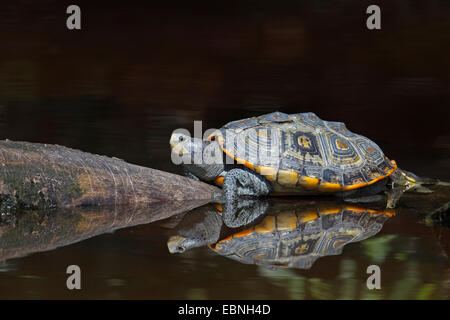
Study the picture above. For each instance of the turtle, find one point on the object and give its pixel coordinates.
(300, 154)
(286, 234)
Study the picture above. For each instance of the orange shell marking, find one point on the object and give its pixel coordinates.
(218, 206)
(308, 183)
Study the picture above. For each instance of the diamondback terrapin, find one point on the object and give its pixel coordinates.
(299, 153)
(297, 239)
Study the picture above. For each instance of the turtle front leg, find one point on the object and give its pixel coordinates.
(244, 182)
(243, 212)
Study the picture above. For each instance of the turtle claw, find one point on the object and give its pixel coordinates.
(243, 212)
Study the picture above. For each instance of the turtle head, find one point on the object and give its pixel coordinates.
(204, 159)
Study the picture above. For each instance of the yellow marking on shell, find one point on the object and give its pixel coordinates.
(268, 172)
(218, 206)
(263, 133)
(220, 139)
(287, 177)
(243, 233)
(329, 211)
(225, 239)
(177, 149)
(308, 183)
(266, 226)
(358, 181)
(329, 187)
(219, 181)
(286, 221)
(307, 216)
(301, 249)
(388, 212)
(355, 186)
(388, 173)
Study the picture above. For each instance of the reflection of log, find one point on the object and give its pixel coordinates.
(36, 231)
(36, 175)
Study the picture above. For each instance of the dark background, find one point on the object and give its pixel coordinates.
(138, 70)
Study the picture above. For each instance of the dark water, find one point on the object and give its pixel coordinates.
(135, 73)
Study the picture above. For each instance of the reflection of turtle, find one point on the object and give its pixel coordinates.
(296, 154)
(292, 234)
(297, 239)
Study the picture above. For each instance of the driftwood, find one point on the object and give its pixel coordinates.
(43, 176)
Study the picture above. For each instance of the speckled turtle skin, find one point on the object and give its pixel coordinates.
(300, 153)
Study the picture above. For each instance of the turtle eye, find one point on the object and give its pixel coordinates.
(181, 138)
(180, 249)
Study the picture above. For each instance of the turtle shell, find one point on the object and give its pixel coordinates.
(301, 151)
(296, 239)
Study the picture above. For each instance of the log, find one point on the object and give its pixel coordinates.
(44, 176)
(41, 230)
